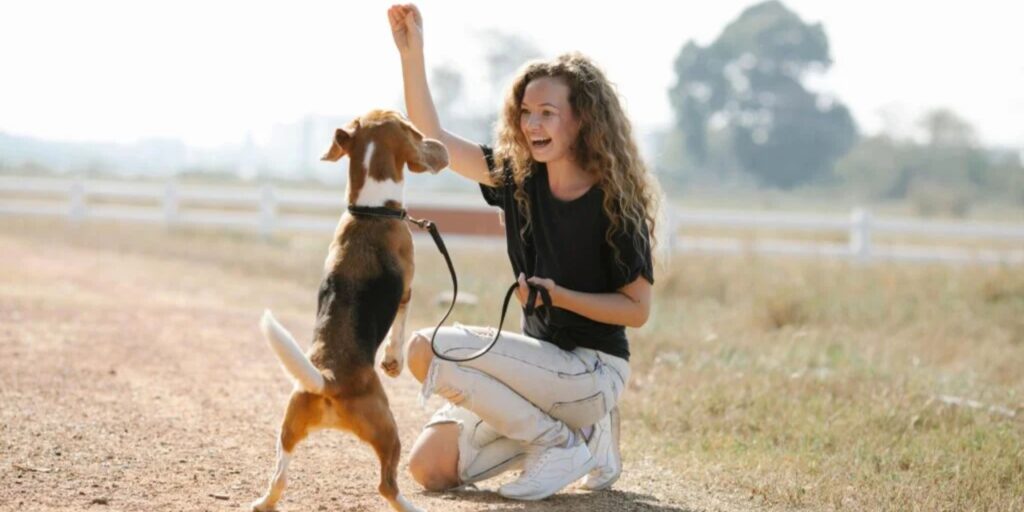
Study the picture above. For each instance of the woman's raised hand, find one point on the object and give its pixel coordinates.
(406, 28)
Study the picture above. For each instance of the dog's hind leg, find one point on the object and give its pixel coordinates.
(304, 412)
(370, 418)
(277, 482)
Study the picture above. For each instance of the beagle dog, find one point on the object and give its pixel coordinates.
(364, 291)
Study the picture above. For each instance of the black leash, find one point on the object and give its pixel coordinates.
(402, 214)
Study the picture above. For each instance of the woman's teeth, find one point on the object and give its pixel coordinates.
(541, 143)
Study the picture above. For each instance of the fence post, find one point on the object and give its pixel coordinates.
(76, 211)
(672, 224)
(268, 211)
(860, 234)
(171, 204)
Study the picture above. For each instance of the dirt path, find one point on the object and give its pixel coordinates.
(137, 381)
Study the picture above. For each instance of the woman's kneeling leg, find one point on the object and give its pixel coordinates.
(434, 460)
(458, 448)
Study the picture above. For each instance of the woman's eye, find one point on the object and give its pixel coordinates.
(547, 113)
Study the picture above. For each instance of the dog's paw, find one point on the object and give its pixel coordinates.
(392, 361)
(262, 505)
(391, 365)
(400, 504)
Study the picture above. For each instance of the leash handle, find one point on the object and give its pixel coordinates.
(531, 298)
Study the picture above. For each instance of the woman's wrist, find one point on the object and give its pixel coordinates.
(557, 294)
(411, 55)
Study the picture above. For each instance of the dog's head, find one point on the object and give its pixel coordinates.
(380, 145)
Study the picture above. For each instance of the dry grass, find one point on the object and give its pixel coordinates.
(820, 384)
(788, 383)
(752, 235)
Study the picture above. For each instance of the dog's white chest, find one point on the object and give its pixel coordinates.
(378, 193)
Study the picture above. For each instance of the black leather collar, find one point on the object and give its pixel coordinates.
(378, 211)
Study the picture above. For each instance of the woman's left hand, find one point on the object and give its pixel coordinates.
(524, 291)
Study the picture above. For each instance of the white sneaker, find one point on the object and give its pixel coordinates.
(548, 470)
(604, 444)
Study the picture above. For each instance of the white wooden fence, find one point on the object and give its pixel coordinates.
(266, 210)
(936, 241)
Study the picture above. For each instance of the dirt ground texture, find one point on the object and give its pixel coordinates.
(133, 377)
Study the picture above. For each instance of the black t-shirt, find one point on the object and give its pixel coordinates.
(566, 243)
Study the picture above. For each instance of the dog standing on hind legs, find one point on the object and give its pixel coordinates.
(364, 291)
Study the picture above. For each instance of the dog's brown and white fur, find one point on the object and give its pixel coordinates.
(365, 290)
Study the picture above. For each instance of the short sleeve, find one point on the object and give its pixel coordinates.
(493, 195)
(634, 257)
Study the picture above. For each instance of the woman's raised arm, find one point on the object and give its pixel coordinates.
(465, 157)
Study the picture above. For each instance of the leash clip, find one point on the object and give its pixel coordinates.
(421, 223)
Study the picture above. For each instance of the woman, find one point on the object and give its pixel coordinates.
(578, 209)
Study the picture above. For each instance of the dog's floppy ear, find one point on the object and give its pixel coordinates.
(424, 154)
(428, 155)
(339, 146)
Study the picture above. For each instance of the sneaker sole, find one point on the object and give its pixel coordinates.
(605, 485)
(583, 470)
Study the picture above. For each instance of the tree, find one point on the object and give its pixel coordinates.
(944, 128)
(947, 173)
(749, 84)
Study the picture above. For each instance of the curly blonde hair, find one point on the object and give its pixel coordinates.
(605, 146)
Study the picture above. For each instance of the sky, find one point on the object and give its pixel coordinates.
(211, 72)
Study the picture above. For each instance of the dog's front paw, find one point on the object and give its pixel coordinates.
(392, 366)
(392, 361)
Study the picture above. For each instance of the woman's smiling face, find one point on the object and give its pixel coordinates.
(547, 119)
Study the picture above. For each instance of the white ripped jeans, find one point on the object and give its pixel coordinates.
(523, 391)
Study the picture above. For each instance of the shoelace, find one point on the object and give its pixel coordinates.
(538, 462)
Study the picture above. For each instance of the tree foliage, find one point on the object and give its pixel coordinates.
(749, 84)
(946, 172)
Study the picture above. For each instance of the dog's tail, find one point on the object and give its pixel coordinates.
(288, 352)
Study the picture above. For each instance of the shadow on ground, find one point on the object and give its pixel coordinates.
(610, 500)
